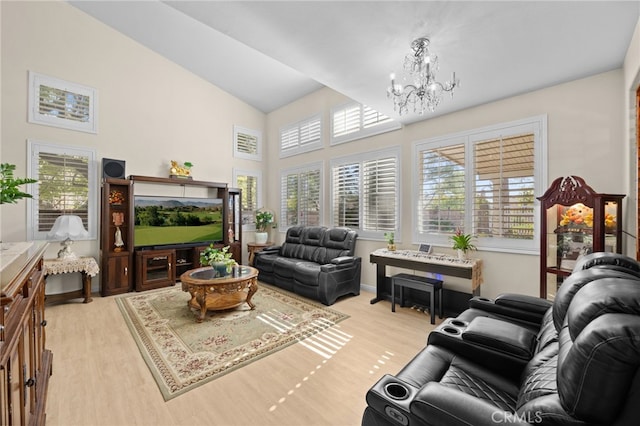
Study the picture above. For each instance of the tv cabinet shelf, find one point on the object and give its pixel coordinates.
(156, 266)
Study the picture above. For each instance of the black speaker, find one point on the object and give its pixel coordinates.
(112, 168)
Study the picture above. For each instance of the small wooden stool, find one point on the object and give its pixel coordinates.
(430, 285)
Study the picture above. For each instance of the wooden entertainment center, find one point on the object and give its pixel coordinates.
(127, 267)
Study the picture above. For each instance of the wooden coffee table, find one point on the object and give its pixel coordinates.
(208, 293)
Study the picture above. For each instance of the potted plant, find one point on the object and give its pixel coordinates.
(264, 219)
(462, 243)
(219, 259)
(9, 192)
(390, 237)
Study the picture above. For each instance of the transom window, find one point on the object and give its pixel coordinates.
(366, 192)
(482, 182)
(355, 121)
(300, 137)
(247, 143)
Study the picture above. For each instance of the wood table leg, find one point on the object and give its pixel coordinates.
(86, 284)
(253, 288)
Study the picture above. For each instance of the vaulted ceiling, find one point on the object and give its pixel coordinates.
(270, 53)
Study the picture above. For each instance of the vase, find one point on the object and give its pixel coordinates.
(391, 247)
(261, 237)
(221, 269)
(462, 255)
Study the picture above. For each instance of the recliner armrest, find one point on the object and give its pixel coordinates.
(517, 306)
(342, 260)
(268, 250)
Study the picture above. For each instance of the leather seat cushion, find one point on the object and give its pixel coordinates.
(307, 273)
(284, 266)
(265, 262)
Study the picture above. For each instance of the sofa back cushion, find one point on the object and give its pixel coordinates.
(339, 242)
(312, 237)
(292, 246)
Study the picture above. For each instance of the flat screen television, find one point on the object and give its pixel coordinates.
(161, 221)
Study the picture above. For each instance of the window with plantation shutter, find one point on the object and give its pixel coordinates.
(247, 143)
(249, 183)
(483, 182)
(365, 192)
(355, 121)
(504, 187)
(59, 103)
(441, 189)
(300, 137)
(67, 185)
(301, 191)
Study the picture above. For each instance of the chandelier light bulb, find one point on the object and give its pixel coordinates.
(425, 92)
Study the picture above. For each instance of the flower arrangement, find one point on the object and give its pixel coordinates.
(116, 197)
(462, 241)
(578, 214)
(264, 219)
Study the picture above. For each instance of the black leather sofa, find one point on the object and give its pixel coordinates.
(314, 261)
(513, 361)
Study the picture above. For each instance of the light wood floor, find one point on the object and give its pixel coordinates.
(100, 378)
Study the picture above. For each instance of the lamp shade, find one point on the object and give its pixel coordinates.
(67, 227)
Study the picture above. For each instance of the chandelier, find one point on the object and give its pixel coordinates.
(425, 92)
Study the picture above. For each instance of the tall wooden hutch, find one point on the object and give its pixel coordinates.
(576, 220)
(126, 267)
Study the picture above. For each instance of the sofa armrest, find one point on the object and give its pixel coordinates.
(518, 306)
(268, 250)
(342, 262)
(443, 405)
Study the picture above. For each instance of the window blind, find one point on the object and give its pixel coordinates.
(504, 187)
(301, 137)
(246, 144)
(380, 201)
(63, 188)
(441, 189)
(346, 195)
(300, 195)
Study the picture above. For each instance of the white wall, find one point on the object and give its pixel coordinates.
(151, 110)
(585, 139)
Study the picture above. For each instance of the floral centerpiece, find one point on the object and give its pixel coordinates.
(462, 243)
(219, 259)
(578, 214)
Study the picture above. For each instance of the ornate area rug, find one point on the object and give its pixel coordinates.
(183, 354)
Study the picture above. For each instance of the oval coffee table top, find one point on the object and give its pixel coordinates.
(206, 275)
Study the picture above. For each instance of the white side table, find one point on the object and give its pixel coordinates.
(87, 266)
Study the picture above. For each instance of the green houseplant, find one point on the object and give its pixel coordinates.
(462, 243)
(219, 259)
(390, 237)
(264, 219)
(9, 192)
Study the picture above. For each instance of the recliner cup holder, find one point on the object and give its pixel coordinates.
(458, 323)
(484, 299)
(396, 391)
(451, 330)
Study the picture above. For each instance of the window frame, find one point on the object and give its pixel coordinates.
(361, 159)
(250, 224)
(34, 148)
(237, 153)
(362, 132)
(34, 116)
(536, 125)
(301, 148)
(316, 166)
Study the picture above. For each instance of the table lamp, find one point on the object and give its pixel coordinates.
(66, 228)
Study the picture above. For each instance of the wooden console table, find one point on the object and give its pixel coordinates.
(87, 266)
(419, 261)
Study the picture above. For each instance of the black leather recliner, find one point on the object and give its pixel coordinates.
(580, 368)
(314, 261)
